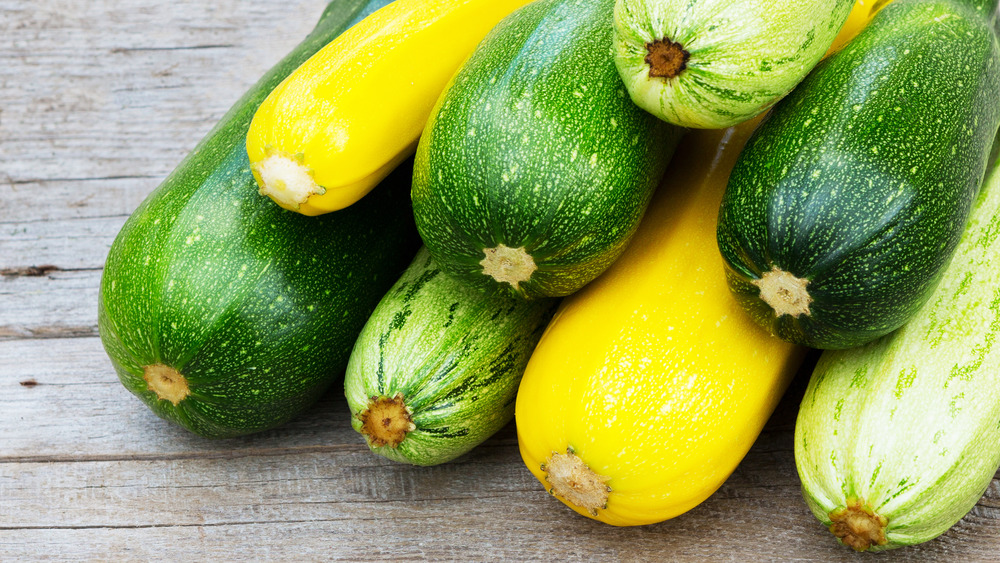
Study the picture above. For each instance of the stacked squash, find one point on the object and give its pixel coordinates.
(639, 312)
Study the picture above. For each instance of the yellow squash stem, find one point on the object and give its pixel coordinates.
(353, 111)
(651, 383)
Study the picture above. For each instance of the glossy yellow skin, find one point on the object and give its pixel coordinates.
(862, 12)
(356, 108)
(652, 374)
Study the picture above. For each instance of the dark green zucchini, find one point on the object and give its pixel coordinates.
(436, 369)
(849, 199)
(535, 167)
(227, 314)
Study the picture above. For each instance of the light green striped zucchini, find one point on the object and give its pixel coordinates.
(436, 368)
(897, 440)
(716, 63)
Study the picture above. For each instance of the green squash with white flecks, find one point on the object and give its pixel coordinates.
(715, 63)
(535, 168)
(897, 440)
(847, 202)
(227, 315)
(435, 370)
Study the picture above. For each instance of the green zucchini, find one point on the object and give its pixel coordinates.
(897, 440)
(848, 200)
(436, 368)
(228, 315)
(535, 168)
(715, 63)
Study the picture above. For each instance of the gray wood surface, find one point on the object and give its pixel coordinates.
(99, 100)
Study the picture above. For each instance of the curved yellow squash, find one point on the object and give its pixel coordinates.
(353, 111)
(650, 384)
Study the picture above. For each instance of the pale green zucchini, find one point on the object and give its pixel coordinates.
(716, 63)
(436, 368)
(897, 440)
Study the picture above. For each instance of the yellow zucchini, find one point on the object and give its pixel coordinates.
(353, 111)
(651, 383)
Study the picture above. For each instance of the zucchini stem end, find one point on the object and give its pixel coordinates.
(858, 526)
(386, 421)
(506, 264)
(665, 58)
(784, 292)
(167, 383)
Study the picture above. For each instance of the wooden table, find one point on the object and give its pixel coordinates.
(99, 100)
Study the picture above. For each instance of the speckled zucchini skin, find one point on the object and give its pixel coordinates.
(860, 181)
(535, 144)
(908, 423)
(255, 306)
(744, 54)
(453, 354)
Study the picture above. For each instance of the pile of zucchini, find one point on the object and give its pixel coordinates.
(621, 222)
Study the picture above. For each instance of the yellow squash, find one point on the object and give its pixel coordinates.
(353, 111)
(862, 12)
(650, 384)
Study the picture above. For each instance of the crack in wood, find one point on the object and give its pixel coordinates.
(121, 50)
(29, 271)
(21, 181)
(191, 525)
(181, 456)
(8, 332)
(78, 219)
(217, 524)
(375, 461)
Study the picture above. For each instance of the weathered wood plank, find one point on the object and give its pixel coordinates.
(45, 303)
(79, 453)
(75, 409)
(361, 506)
(104, 89)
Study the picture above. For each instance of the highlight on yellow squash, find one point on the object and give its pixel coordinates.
(861, 13)
(353, 111)
(651, 383)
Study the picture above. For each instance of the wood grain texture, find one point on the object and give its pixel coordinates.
(99, 100)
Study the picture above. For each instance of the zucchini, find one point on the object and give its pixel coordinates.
(534, 169)
(351, 113)
(228, 315)
(897, 440)
(716, 63)
(849, 199)
(436, 368)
